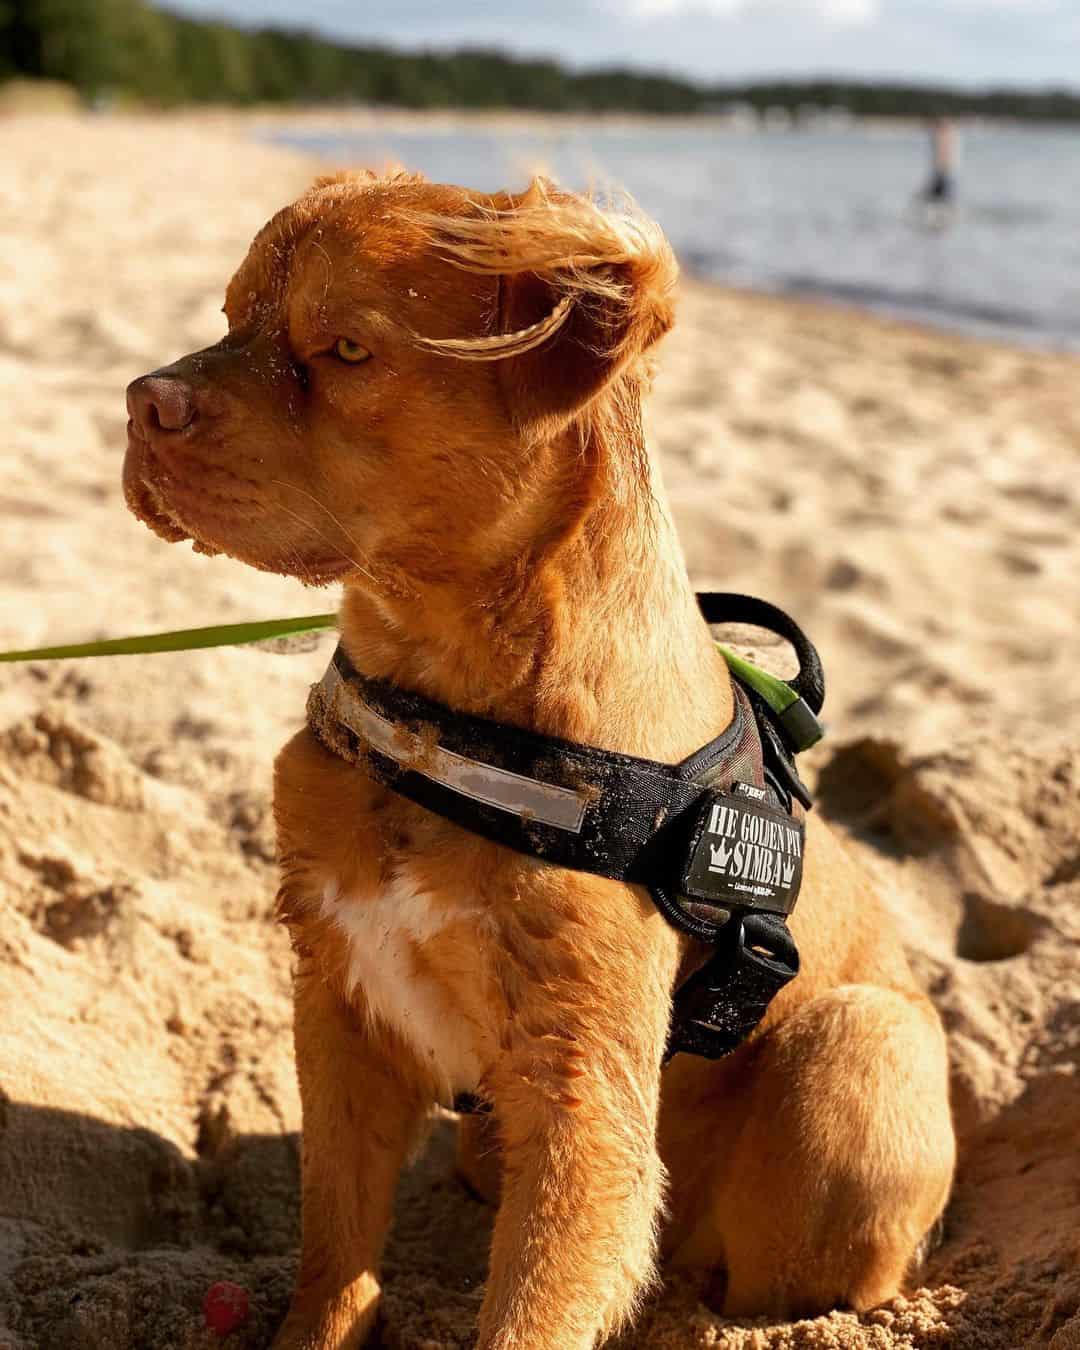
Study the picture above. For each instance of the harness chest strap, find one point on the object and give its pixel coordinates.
(572, 805)
(709, 836)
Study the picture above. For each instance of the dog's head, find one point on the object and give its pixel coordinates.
(409, 369)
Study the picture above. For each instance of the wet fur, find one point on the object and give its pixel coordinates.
(483, 489)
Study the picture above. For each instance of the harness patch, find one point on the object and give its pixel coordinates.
(744, 852)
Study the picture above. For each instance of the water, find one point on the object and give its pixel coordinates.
(820, 212)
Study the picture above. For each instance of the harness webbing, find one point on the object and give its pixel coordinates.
(569, 804)
(716, 838)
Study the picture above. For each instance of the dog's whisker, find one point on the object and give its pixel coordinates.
(329, 268)
(326, 538)
(288, 552)
(279, 482)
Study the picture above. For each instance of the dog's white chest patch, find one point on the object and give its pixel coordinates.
(385, 933)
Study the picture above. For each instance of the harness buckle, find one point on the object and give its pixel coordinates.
(722, 1003)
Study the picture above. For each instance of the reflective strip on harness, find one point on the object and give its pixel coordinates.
(561, 807)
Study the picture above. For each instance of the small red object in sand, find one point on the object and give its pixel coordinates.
(225, 1307)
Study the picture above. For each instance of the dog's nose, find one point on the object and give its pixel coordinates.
(160, 403)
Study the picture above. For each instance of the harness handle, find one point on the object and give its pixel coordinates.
(731, 607)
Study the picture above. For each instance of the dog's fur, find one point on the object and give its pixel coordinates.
(482, 488)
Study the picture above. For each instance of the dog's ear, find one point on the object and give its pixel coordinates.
(582, 294)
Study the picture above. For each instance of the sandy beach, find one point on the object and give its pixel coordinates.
(912, 497)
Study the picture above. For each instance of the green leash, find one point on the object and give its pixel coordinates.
(184, 639)
(777, 693)
(796, 717)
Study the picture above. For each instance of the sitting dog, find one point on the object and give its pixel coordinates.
(434, 396)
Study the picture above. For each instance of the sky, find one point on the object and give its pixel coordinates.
(967, 42)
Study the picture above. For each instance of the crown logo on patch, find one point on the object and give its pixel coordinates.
(721, 856)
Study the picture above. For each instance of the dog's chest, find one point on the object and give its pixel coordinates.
(416, 964)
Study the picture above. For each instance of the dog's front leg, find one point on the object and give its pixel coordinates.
(582, 1187)
(361, 1115)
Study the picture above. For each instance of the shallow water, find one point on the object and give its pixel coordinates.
(831, 213)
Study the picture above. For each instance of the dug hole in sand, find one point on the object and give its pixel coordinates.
(913, 498)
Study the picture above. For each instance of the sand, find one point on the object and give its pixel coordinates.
(914, 498)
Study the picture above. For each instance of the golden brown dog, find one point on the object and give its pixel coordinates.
(434, 396)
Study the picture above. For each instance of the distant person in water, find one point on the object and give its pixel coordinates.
(942, 185)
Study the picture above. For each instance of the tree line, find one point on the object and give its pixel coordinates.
(131, 49)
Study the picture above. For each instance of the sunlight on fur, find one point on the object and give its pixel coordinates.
(617, 257)
(505, 548)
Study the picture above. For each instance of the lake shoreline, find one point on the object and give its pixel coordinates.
(361, 134)
(833, 212)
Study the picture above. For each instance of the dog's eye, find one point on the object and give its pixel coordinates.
(350, 351)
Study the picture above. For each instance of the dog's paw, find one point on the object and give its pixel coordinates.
(351, 1320)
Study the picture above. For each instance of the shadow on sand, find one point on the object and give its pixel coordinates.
(110, 1237)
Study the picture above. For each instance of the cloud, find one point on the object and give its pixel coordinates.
(659, 9)
(846, 11)
(838, 12)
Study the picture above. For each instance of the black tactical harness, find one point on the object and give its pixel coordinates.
(717, 839)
